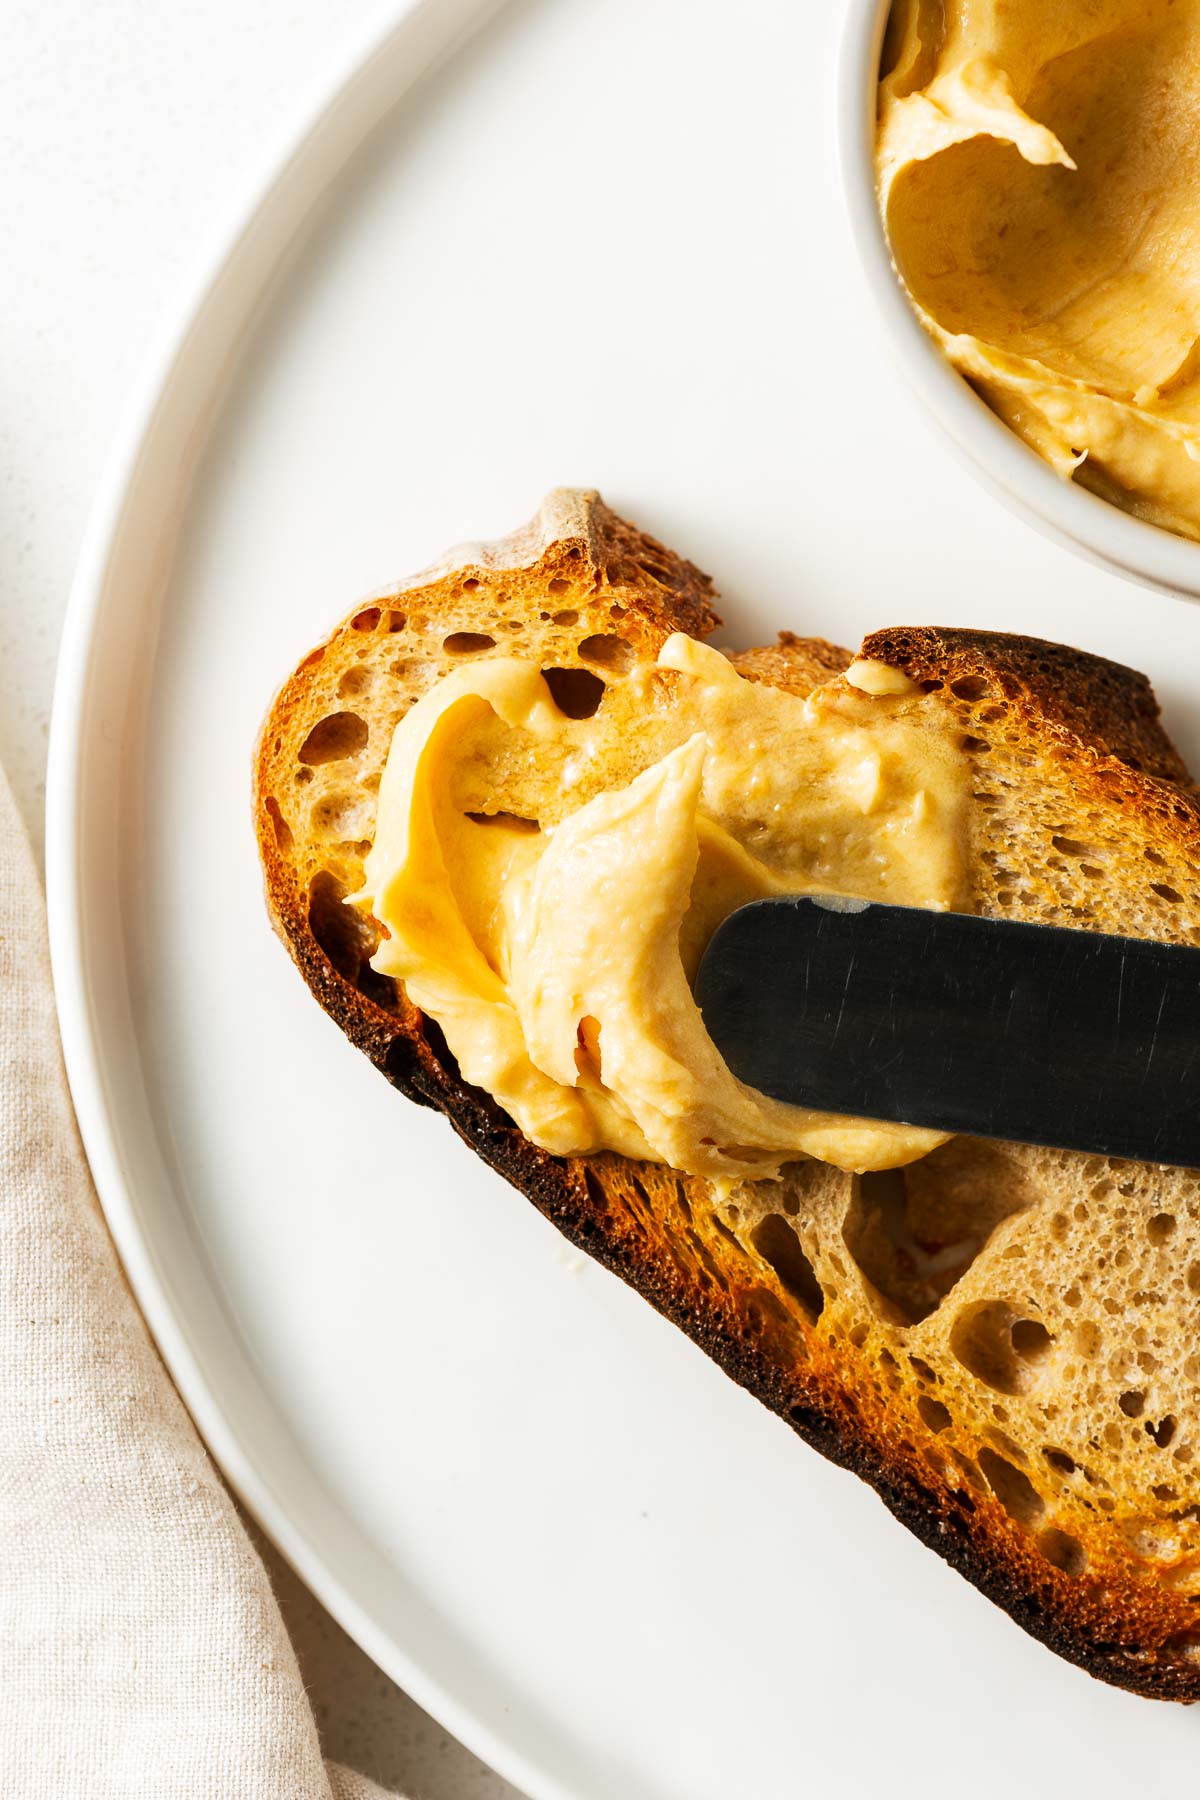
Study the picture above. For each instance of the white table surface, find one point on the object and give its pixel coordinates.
(129, 131)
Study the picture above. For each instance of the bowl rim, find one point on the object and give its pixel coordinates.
(1069, 514)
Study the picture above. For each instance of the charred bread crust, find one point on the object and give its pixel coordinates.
(1103, 705)
(1132, 1634)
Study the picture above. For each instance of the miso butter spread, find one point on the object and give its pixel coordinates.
(1039, 173)
(546, 891)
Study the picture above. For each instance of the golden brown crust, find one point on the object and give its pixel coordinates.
(796, 664)
(658, 1231)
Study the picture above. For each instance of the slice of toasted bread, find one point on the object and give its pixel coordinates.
(997, 1338)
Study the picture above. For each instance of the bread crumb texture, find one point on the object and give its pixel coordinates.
(1002, 1339)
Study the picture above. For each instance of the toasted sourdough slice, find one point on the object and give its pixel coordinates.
(1001, 1340)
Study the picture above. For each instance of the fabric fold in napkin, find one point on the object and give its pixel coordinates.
(142, 1654)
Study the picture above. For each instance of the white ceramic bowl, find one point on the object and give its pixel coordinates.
(1008, 466)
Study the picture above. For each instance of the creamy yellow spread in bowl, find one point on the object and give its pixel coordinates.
(557, 952)
(1035, 164)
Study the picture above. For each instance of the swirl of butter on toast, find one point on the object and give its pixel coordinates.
(557, 958)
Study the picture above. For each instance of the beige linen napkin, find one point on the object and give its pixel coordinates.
(141, 1650)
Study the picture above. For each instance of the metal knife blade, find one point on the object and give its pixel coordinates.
(994, 1028)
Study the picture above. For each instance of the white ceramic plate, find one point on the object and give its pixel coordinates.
(603, 243)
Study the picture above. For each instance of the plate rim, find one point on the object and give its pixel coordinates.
(334, 122)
